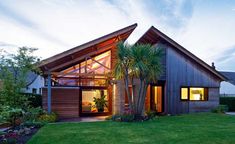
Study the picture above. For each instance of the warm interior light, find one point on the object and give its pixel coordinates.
(196, 93)
(184, 93)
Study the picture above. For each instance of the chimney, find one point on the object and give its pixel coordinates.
(213, 65)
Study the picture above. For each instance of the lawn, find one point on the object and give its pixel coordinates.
(203, 128)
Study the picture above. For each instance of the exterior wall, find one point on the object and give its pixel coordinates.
(181, 71)
(205, 106)
(38, 83)
(64, 101)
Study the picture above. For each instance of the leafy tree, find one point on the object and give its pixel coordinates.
(13, 72)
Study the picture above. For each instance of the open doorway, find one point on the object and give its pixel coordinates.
(156, 98)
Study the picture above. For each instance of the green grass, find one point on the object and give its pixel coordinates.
(203, 128)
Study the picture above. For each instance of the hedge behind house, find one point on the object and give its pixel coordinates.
(229, 101)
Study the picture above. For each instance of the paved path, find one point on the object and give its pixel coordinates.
(84, 119)
(230, 113)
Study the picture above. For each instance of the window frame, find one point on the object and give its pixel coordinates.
(206, 93)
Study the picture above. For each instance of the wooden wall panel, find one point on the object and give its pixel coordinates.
(64, 101)
(182, 71)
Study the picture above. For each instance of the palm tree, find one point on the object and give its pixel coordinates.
(122, 67)
(141, 61)
(146, 66)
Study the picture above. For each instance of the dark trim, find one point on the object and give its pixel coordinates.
(206, 93)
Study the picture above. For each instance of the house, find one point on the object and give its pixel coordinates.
(227, 88)
(77, 75)
(35, 82)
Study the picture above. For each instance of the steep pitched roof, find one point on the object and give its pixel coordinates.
(153, 35)
(99, 43)
(230, 76)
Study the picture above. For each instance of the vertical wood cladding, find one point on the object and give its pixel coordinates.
(64, 101)
(182, 71)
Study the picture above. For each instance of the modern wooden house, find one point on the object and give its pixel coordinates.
(75, 77)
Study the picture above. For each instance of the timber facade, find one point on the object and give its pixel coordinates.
(75, 77)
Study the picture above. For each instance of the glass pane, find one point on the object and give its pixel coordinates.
(88, 101)
(197, 94)
(184, 93)
(100, 64)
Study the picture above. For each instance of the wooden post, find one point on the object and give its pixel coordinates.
(49, 93)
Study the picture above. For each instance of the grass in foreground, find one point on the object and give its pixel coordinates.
(203, 128)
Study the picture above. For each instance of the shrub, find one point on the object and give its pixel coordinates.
(48, 118)
(11, 115)
(35, 100)
(229, 101)
(32, 114)
(220, 109)
(34, 124)
(151, 114)
(128, 116)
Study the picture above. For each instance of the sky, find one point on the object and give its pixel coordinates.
(204, 27)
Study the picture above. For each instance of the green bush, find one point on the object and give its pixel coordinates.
(35, 100)
(32, 114)
(220, 109)
(48, 118)
(229, 101)
(11, 115)
(151, 114)
(35, 124)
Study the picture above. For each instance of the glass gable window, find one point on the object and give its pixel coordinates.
(194, 93)
(89, 72)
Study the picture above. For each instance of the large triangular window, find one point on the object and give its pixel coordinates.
(92, 71)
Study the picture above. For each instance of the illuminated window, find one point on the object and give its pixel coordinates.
(184, 93)
(93, 69)
(194, 94)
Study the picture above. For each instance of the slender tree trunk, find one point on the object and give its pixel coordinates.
(138, 97)
(142, 97)
(127, 91)
(142, 103)
(132, 94)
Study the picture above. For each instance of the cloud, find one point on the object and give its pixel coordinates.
(204, 28)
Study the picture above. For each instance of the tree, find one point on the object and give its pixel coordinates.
(141, 61)
(146, 66)
(13, 72)
(122, 67)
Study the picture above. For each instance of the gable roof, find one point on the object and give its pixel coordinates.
(230, 76)
(67, 57)
(153, 35)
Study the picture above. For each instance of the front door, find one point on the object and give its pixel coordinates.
(156, 99)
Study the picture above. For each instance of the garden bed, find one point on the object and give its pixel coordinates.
(18, 135)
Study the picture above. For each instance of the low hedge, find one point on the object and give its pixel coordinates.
(229, 101)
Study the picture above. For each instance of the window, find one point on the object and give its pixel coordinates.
(184, 93)
(34, 91)
(194, 93)
(88, 103)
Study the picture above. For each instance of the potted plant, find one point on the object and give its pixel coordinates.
(100, 103)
